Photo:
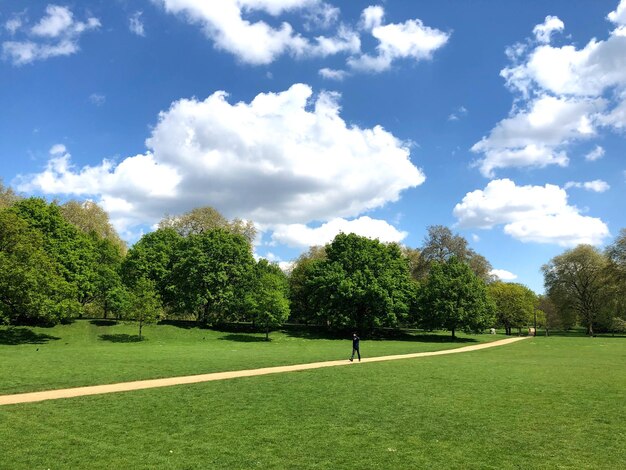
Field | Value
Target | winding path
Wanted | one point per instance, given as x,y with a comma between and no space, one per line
191,379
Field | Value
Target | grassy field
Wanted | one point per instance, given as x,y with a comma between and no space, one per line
554,402
96,352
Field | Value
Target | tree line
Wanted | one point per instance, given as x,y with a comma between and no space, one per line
63,261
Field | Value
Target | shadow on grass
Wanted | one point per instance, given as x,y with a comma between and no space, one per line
121,338
312,332
244,338
17,336
103,322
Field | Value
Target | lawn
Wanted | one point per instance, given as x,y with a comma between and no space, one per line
555,402
96,352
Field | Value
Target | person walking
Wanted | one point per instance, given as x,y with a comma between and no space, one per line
355,347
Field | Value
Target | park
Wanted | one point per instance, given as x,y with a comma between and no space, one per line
188,307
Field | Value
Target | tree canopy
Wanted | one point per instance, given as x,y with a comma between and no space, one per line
454,298
515,304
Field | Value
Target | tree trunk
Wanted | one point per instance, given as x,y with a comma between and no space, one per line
140,326
453,335
590,329
267,331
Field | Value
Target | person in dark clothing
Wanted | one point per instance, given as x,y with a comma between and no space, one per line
355,347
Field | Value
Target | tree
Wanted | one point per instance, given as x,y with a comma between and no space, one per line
267,300
576,281
90,218
152,258
441,244
31,289
552,319
362,284
515,304
454,298
144,306
7,196
210,273
300,294
68,247
205,219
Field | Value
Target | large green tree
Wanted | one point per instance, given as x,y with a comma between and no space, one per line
577,281
31,289
361,284
266,296
300,289
210,273
515,304
68,247
152,258
454,298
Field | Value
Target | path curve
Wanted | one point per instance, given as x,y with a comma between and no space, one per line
192,379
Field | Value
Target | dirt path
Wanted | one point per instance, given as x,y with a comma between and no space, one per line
191,379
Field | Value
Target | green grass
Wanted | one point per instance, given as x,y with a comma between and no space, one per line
87,353
554,402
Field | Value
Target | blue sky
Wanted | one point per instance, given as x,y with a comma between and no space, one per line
503,120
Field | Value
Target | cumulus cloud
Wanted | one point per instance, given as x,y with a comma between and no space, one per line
596,154
619,15
408,40
234,27
14,24
564,94
597,186
333,74
300,235
503,274
253,42
56,34
529,213
283,158
534,136
543,32
135,24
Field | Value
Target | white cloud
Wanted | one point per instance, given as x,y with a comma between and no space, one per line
475,238
332,74
533,137
544,31
135,24
596,154
56,34
252,42
503,275
570,93
372,17
283,158
597,186
411,39
460,112
529,213
13,25
619,15
300,235
97,99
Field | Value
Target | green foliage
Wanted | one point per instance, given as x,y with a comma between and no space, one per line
576,281
205,219
67,246
90,218
361,284
144,305
301,291
31,289
266,298
152,258
210,272
7,196
454,298
515,304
